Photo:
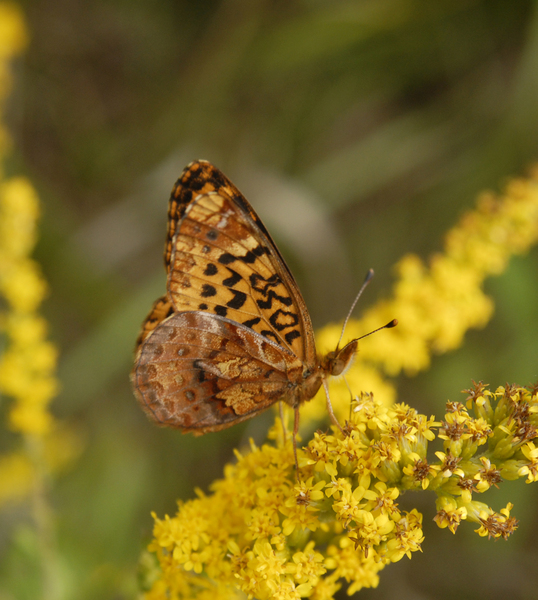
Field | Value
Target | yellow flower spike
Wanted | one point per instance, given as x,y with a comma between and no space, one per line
28,382
278,523
435,305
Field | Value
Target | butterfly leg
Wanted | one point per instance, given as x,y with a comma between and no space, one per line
281,410
295,431
330,407
350,397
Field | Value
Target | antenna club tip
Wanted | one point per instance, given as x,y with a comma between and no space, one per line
369,275
393,323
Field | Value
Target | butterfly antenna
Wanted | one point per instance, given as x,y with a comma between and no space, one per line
390,324
366,281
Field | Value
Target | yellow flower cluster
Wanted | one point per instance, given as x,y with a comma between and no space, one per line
28,365
266,534
271,536
28,360
436,304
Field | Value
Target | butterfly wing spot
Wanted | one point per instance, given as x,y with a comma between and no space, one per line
283,319
292,335
208,291
210,270
233,280
226,258
238,300
157,351
270,334
251,322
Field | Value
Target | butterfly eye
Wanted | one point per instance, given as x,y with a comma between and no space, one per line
343,358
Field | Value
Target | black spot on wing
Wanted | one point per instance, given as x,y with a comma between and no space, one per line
197,364
222,311
210,269
208,291
238,300
227,258
233,279
266,304
269,334
262,285
253,254
291,335
251,322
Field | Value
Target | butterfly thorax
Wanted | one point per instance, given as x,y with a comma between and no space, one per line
304,384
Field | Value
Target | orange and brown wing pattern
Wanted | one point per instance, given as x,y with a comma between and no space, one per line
199,177
161,309
201,372
222,260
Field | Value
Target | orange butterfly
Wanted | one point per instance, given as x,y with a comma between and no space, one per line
232,335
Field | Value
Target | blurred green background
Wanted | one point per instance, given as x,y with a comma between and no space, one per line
374,123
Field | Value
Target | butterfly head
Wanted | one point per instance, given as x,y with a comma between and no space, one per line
338,361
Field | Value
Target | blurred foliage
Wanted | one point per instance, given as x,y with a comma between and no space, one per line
373,123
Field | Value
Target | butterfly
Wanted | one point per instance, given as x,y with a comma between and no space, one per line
232,335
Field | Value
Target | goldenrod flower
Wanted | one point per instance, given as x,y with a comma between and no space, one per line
530,452
449,514
270,536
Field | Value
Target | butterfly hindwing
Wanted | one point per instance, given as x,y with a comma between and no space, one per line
201,372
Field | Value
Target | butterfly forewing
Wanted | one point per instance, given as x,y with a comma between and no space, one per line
223,262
